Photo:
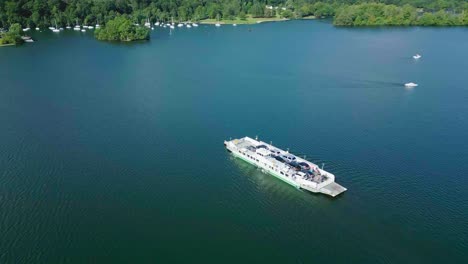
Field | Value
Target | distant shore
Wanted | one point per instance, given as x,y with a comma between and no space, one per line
7,45
248,20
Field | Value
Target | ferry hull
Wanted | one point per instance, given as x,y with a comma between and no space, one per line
269,172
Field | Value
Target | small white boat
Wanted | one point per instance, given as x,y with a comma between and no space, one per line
152,28
417,57
68,27
234,25
29,40
172,26
26,29
83,30
51,28
90,27
147,23
77,26
38,28
411,85
188,26
85,26
61,28
195,24
156,24
180,25
56,29
218,24
164,26
98,26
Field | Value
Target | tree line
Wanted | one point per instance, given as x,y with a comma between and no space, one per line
44,13
376,14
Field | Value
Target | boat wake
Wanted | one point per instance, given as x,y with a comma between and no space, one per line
380,83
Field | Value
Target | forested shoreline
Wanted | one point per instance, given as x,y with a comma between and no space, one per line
44,13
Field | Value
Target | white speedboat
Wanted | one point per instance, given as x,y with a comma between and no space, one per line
188,26
172,26
90,27
411,84
152,28
68,27
156,24
234,25
417,57
29,40
218,24
38,28
83,30
98,26
51,28
180,25
26,29
61,28
194,24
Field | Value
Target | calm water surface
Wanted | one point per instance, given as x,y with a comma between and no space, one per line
113,153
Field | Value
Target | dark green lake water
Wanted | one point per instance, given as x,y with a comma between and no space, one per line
113,153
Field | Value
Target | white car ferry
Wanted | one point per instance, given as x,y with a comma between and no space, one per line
287,167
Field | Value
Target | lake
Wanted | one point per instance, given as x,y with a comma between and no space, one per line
113,153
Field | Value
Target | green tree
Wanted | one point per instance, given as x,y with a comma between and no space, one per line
257,10
242,15
121,29
200,13
13,36
287,13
